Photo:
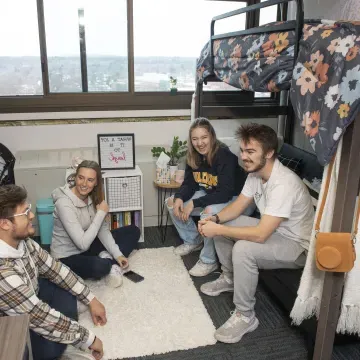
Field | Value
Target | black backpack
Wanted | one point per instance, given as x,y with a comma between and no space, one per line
7,164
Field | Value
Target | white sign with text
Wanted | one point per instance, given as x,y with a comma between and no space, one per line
116,151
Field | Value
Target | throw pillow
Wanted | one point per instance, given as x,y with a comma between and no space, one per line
292,163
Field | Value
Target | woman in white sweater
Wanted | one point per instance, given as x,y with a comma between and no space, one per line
81,236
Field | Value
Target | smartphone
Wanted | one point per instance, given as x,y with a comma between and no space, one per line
133,276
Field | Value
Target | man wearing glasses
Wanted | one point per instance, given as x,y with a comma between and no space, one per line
51,300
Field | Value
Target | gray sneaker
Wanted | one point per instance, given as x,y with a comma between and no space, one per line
114,279
81,308
236,327
185,249
216,287
72,353
202,269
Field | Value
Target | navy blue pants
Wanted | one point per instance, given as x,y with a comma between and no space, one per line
89,265
60,300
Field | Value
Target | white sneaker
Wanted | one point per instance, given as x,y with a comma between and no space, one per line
72,353
202,269
81,308
105,255
236,327
218,286
114,279
186,249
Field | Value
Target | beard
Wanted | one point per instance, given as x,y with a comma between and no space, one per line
258,167
22,235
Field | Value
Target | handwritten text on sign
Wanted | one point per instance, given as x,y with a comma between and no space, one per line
116,151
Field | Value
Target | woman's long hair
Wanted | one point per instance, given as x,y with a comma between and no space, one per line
193,158
97,194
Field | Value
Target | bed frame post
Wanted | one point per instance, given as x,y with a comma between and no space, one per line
347,191
198,99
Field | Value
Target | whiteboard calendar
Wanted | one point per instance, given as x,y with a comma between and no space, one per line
116,151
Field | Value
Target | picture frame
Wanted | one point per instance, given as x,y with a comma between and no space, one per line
116,151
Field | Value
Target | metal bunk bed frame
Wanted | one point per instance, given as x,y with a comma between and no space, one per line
279,110
348,182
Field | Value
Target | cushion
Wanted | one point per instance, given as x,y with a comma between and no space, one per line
310,167
292,163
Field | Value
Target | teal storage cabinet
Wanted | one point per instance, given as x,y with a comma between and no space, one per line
44,211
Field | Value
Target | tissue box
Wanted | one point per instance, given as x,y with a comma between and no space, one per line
163,175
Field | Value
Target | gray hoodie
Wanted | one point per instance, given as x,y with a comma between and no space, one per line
76,224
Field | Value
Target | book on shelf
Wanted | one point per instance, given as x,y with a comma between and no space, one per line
137,218
125,218
120,219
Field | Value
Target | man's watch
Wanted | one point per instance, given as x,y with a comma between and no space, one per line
217,219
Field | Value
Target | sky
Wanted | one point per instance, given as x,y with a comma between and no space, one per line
161,27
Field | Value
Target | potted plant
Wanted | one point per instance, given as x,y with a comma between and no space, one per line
177,151
173,82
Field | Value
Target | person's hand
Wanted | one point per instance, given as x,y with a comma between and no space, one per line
204,221
210,229
187,211
123,262
97,311
97,349
178,207
103,206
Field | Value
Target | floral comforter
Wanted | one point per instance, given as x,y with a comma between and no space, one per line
325,87
325,82
259,62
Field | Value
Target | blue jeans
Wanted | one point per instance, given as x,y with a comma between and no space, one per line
188,231
62,301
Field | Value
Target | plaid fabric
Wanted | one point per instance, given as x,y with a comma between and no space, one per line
292,163
18,295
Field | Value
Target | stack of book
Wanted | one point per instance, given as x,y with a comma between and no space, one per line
125,218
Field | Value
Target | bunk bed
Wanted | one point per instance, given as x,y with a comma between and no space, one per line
317,63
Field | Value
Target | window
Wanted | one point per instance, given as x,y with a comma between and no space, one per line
106,60
268,14
62,42
108,55
20,66
177,33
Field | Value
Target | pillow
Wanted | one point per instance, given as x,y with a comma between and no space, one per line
292,163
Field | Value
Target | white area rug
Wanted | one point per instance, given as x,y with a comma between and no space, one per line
163,313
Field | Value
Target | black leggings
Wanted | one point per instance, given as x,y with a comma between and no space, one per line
89,265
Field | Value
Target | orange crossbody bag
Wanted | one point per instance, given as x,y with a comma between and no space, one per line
334,251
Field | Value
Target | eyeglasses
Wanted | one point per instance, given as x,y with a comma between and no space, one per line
26,212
